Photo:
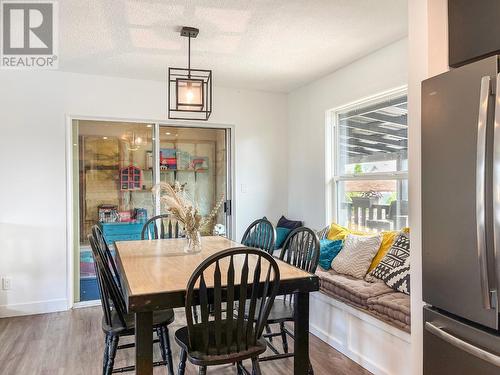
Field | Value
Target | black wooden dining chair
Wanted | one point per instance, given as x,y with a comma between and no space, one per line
301,249
261,235
106,252
249,276
161,227
117,323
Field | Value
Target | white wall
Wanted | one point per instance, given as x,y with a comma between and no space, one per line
428,56
381,71
418,71
33,109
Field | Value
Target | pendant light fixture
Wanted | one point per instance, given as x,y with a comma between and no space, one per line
189,90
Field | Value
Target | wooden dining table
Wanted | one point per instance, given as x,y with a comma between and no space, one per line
154,276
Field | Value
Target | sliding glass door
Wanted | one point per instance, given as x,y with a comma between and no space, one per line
197,158
115,166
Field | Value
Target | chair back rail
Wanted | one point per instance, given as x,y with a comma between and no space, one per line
161,227
215,335
109,291
104,248
301,249
260,234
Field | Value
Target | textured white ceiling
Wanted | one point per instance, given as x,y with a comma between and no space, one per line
273,45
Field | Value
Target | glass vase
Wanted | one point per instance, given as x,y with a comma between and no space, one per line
193,242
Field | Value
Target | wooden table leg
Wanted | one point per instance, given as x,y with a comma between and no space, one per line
301,328
144,343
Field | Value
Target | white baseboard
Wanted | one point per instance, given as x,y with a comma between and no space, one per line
31,308
81,305
375,345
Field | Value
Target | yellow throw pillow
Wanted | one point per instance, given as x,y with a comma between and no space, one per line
338,232
387,241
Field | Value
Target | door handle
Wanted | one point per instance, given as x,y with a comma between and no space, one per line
496,188
227,207
480,191
463,345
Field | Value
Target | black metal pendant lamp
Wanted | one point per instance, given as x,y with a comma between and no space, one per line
189,90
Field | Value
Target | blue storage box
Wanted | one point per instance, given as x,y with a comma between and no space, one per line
121,231
89,290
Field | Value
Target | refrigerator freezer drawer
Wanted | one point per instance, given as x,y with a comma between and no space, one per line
453,347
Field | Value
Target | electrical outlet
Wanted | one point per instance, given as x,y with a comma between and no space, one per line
6,283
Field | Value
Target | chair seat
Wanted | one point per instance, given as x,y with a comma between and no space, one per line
282,311
160,318
202,359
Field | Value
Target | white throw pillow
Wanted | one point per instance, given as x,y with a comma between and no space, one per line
356,256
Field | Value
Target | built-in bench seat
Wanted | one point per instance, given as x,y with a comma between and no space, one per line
375,298
367,321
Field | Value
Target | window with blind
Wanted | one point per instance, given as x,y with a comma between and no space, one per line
370,164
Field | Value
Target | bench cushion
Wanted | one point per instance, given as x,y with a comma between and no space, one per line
394,306
348,288
376,299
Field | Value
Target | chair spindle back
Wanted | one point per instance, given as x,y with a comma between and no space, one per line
109,291
301,249
251,278
161,227
104,248
261,235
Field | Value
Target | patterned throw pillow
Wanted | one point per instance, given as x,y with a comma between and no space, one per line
387,241
356,255
323,233
399,278
395,257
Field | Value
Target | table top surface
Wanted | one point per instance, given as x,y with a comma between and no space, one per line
161,266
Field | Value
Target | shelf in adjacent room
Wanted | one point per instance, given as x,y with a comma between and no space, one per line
184,170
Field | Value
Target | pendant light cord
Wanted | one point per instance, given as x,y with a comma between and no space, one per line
189,56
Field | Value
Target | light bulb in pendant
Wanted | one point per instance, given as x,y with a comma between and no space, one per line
189,96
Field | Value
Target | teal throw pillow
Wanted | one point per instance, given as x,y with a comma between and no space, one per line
281,235
328,250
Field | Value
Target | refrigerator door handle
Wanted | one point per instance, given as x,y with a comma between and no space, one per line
480,191
496,189
463,345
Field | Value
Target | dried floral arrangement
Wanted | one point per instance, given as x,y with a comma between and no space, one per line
175,200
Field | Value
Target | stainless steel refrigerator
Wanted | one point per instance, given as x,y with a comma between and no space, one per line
461,219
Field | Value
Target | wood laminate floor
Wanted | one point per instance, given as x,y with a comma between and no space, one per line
71,343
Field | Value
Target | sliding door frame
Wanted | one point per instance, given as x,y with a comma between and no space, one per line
70,170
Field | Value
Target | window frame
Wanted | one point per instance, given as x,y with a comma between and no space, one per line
332,164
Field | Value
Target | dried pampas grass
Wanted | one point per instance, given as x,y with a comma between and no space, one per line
175,200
